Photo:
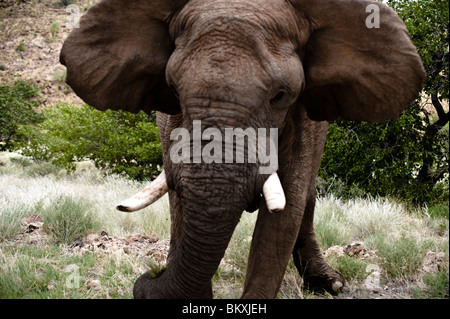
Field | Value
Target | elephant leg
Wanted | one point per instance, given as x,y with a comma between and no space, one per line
308,258
273,240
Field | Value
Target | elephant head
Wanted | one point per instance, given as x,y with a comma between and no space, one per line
255,65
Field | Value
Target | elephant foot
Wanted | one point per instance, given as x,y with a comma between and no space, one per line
317,275
149,287
331,283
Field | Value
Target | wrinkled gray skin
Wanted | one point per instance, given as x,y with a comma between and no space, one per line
292,65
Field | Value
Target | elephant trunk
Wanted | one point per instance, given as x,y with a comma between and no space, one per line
212,203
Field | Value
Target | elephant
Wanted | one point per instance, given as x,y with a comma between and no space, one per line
292,66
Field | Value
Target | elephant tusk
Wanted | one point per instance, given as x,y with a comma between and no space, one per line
274,194
147,196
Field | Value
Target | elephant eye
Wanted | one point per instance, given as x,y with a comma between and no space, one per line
279,96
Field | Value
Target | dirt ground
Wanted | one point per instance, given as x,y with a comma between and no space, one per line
32,233
31,37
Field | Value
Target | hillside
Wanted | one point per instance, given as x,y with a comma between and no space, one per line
31,37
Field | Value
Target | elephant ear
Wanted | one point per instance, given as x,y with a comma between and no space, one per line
355,68
116,59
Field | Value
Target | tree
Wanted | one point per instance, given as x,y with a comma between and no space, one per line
121,142
17,106
428,23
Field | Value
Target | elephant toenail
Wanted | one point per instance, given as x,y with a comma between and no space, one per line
336,286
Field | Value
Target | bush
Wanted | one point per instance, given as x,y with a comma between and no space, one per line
400,258
383,159
10,217
118,141
17,106
350,268
68,219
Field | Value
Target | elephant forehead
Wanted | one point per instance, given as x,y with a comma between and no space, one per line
268,18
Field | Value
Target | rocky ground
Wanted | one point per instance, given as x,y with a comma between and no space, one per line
31,37
32,233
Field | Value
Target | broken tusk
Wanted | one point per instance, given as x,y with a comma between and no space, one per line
147,196
274,194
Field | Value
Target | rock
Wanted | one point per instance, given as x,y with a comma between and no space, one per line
153,238
93,284
432,262
372,282
31,222
32,218
142,239
356,248
92,237
77,243
98,244
31,227
338,250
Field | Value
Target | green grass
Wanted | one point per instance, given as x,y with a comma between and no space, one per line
437,285
68,219
73,205
10,217
49,272
400,257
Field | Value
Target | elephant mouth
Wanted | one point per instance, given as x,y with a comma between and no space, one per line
272,192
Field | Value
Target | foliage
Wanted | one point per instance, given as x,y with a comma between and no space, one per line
119,141
382,159
428,22
17,106
69,219
349,267
400,258
10,220
437,285
407,157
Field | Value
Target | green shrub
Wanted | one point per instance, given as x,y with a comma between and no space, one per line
42,169
383,159
67,2
118,141
400,258
10,217
351,268
54,29
437,285
21,46
68,219
17,106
